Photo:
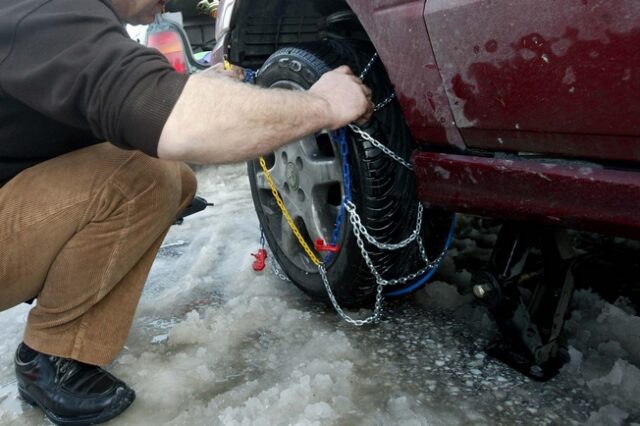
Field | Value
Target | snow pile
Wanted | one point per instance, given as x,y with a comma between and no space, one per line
442,295
620,386
607,415
317,390
256,360
216,344
604,344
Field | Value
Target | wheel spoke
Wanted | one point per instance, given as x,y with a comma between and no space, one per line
261,181
278,171
322,217
288,241
321,172
308,148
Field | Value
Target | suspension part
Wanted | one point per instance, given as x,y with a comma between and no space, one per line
530,327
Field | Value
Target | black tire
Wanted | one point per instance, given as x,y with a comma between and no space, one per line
383,190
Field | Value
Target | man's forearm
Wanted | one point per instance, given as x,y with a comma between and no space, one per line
218,120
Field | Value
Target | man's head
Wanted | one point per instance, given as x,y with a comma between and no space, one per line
138,12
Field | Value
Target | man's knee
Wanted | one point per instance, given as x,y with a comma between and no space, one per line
157,185
189,182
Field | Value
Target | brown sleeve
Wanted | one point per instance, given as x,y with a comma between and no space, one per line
73,61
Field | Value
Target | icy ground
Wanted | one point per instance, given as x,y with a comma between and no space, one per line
215,344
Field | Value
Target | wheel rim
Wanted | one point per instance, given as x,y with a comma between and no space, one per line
308,176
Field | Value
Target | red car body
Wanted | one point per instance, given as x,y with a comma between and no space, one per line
525,110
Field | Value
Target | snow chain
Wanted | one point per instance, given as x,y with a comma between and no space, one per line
359,230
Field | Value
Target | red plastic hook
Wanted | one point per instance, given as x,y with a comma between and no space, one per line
320,245
261,260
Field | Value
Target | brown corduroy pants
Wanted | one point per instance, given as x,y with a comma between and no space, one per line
80,233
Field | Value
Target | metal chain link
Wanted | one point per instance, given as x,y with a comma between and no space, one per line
377,108
384,103
403,280
275,268
366,136
365,72
368,67
377,310
351,208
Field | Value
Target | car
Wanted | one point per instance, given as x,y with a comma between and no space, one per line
526,112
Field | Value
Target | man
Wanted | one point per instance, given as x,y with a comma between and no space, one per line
81,219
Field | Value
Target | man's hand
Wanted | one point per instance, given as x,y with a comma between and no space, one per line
348,98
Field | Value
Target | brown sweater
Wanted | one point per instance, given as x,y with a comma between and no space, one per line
70,77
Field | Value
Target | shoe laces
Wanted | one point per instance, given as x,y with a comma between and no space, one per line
65,368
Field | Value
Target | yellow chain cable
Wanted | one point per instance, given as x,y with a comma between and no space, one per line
286,214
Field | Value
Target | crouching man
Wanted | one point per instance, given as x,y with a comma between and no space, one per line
81,219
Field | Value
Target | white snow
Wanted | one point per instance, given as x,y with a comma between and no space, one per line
214,343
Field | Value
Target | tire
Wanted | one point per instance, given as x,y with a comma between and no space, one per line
308,175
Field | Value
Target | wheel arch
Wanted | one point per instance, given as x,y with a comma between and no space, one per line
396,30
260,27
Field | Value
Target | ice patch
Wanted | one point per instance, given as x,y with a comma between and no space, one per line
609,415
442,295
621,386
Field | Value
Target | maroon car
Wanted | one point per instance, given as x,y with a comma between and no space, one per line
525,111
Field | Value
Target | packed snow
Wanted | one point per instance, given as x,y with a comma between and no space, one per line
215,343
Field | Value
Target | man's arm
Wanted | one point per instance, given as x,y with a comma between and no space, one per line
219,120
87,74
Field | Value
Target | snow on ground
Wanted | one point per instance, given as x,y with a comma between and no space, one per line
216,344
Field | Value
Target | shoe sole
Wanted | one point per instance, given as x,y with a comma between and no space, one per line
93,419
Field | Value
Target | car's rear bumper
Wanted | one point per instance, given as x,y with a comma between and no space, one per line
560,193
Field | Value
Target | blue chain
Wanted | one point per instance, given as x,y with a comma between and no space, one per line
250,76
341,136
346,170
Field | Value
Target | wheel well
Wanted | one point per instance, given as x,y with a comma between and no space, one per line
263,26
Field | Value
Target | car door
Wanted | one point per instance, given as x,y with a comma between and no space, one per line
542,76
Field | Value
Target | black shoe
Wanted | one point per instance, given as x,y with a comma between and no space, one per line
69,392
